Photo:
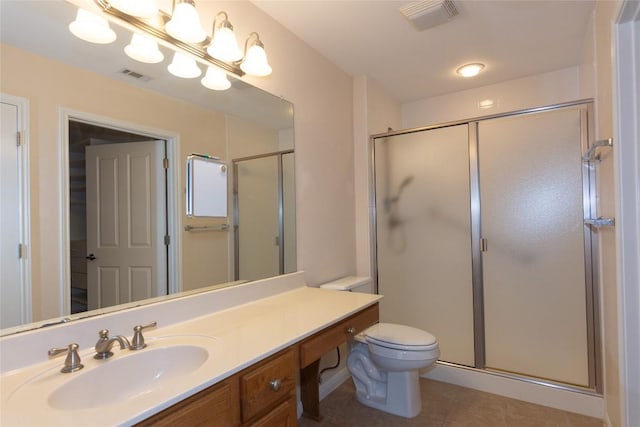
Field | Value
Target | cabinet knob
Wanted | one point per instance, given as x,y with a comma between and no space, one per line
275,384
351,330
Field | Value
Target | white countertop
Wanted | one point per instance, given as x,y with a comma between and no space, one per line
242,335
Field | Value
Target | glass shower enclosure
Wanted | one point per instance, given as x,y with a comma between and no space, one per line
480,240
264,215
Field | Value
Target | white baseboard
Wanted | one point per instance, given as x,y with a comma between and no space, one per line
572,401
333,382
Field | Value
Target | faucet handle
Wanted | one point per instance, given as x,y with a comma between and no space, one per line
72,362
137,342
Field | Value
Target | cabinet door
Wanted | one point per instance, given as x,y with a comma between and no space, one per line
283,416
216,406
267,383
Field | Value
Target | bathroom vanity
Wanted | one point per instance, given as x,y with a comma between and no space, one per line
265,393
234,361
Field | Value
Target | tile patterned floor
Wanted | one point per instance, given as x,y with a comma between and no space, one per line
446,405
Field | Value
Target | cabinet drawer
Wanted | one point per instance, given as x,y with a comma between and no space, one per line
272,380
314,347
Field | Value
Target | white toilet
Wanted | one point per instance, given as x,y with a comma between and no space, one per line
385,360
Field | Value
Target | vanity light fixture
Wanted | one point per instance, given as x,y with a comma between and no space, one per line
224,45
215,79
144,49
184,24
140,8
183,31
255,59
470,70
92,28
184,66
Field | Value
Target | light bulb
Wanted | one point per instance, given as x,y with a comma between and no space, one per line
144,49
224,45
185,24
184,67
92,28
255,62
470,70
215,79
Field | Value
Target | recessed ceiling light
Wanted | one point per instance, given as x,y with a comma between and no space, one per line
470,70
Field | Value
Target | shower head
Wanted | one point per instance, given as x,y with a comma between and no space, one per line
406,181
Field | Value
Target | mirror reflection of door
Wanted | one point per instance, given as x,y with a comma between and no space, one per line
14,294
118,217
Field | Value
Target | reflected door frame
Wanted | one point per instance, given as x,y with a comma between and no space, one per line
24,195
174,204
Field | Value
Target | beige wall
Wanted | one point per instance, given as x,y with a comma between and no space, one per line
67,87
605,15
375,112
322,97
534,91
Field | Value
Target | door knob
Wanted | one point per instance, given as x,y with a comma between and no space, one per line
90,257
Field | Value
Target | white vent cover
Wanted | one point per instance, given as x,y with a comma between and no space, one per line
429,13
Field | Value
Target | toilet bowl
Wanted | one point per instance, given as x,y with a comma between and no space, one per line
384,363
385,360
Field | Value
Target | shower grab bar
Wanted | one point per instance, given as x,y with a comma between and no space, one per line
600,222
221,227
591,153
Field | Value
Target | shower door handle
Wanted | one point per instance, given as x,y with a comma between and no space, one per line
483,245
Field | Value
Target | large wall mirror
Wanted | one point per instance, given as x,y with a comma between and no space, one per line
100,128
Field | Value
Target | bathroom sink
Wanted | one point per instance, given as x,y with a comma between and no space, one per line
127,384
127,377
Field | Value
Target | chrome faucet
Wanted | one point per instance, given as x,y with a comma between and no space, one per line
104,344
137,342
72,362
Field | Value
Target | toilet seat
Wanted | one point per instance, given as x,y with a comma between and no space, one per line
400,337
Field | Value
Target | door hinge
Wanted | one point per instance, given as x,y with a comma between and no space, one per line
167,240
18,138
483,245
165,163
21,249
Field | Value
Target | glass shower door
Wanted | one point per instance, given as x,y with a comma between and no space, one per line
258,226
423,236
531,192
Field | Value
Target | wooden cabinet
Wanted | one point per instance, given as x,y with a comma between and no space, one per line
269,382
216,406
264,395
314,347
261,395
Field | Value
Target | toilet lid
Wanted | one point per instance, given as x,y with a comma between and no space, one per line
400,337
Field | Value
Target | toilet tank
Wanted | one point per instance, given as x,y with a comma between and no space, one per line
350,284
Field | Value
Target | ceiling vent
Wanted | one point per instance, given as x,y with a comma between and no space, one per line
429,13
134,75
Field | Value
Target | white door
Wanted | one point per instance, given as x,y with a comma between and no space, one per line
125,223
10,280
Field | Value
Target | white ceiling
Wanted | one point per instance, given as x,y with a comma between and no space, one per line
512,38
